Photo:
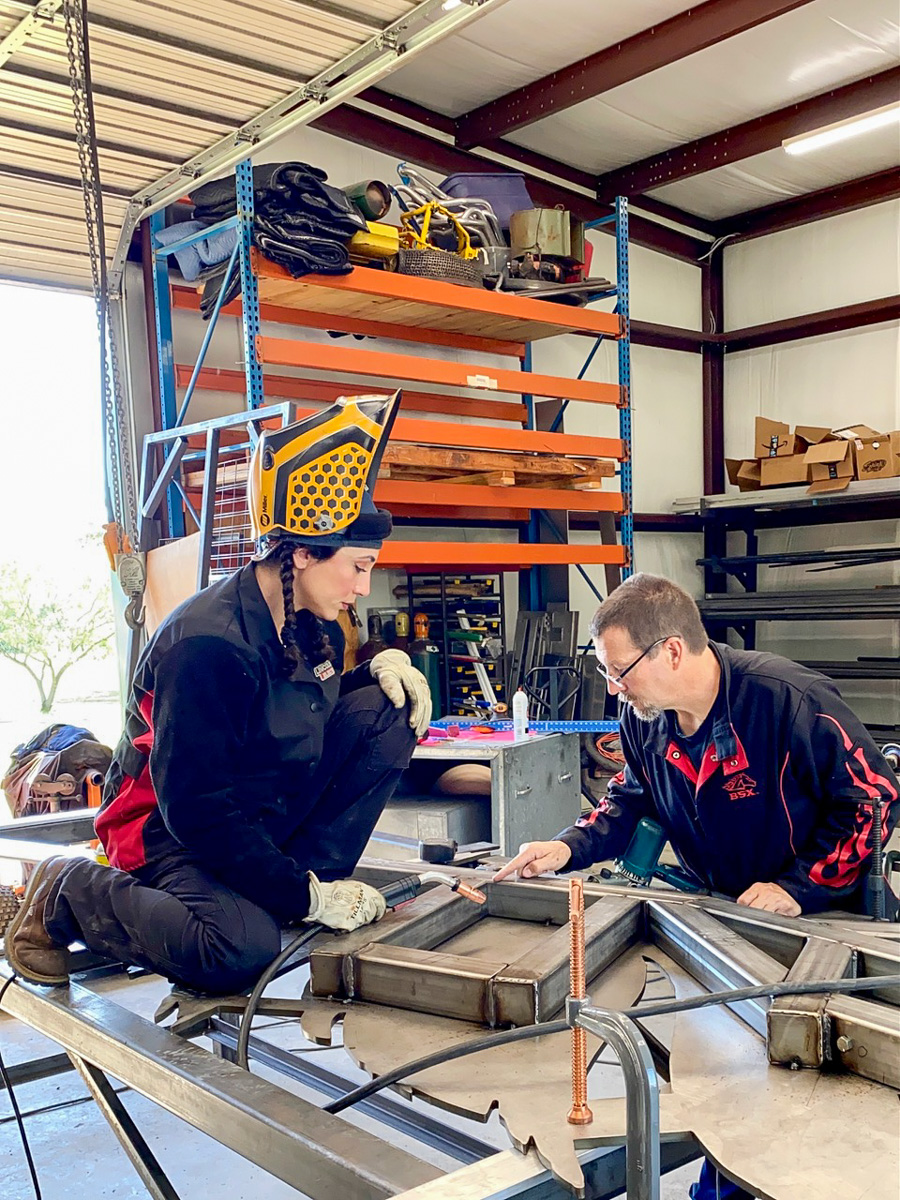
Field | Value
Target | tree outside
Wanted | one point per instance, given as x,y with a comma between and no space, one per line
46,630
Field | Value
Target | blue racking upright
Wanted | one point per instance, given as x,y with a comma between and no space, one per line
620,291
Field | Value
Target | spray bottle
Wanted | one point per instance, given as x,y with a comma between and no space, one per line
520,715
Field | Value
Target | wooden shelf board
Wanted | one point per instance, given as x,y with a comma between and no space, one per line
188,298
368,294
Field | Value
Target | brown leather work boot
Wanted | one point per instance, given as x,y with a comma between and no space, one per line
30,950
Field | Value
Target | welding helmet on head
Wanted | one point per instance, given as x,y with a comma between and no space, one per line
312,481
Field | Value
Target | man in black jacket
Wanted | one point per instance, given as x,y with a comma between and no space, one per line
759,773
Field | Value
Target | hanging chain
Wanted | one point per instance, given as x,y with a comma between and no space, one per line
121,489
115,417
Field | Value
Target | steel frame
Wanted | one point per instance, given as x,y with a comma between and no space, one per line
399,966
175,444
26,26
717,941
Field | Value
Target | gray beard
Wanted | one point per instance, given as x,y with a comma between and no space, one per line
646,712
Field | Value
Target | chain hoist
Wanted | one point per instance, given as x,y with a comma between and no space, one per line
130,566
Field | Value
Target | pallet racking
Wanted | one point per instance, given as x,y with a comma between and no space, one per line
375,303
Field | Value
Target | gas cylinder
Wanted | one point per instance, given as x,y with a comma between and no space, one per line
426,656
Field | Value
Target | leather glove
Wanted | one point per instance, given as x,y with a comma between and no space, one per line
344,904
400,681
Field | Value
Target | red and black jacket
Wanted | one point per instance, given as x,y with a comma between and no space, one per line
219,747
783,794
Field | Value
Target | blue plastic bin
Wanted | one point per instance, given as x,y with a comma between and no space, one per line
505,191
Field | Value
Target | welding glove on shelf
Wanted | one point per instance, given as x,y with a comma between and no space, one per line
401,682
345,904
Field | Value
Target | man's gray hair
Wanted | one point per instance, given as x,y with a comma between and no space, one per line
650,607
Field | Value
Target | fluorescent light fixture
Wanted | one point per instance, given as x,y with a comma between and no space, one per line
449,5
818,139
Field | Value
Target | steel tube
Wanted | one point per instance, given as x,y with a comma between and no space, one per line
713,955
319,1155
642,1163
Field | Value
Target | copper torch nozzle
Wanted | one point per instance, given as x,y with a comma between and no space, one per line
471,893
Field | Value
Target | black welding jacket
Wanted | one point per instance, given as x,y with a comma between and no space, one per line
219,747
783,793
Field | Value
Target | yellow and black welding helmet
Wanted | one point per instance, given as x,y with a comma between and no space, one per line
312,481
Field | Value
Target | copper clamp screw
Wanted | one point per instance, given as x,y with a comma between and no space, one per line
580,1114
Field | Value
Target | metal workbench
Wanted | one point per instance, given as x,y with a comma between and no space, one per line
535,784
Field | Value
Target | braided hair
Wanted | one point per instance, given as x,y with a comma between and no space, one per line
303,635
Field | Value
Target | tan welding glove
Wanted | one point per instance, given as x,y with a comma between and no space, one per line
344,904
401,682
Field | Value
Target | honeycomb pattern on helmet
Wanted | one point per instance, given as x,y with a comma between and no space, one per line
325,495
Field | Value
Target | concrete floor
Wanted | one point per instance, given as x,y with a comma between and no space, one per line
78,1157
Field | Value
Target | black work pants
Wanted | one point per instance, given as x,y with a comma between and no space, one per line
175,918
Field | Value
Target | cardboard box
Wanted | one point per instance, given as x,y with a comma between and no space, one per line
744,473
830,466
856,431
875,458
780,472
773,439
811,435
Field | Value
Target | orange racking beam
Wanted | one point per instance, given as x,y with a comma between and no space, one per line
388,285
508,555
461,515
459,436
434,494
188,298
291,387
376,363
486,437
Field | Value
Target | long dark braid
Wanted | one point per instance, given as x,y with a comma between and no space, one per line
303,635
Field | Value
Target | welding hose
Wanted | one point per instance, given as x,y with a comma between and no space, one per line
271,971
640,1011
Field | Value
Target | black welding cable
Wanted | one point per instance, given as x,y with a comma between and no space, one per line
273,969
16,1110
657,1008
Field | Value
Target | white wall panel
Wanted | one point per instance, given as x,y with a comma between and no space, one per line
671,554
827,264
843,378
663,290
667,421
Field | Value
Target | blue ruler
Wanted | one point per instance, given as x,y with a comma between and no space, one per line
534,726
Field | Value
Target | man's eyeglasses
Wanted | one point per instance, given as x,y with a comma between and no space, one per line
617,679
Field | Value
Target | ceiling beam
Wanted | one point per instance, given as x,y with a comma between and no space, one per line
751,137
686,33
813,206
834,320
367,129
528,159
